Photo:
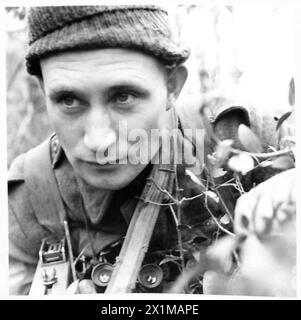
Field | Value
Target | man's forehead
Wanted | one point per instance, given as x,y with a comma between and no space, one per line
100,58
105,67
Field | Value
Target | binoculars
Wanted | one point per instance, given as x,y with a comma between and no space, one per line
53,275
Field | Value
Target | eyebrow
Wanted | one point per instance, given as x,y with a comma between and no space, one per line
129,87
58,90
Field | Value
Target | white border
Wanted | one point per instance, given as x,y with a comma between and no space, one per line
3,188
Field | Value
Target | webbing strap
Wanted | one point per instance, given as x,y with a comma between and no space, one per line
142,225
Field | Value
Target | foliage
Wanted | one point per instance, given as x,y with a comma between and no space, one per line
258,255
27,122
18,12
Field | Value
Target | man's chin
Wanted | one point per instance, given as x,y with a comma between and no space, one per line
104,183
109,177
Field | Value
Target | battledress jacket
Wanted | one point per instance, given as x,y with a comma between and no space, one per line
107,225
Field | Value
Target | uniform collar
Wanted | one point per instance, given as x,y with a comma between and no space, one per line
56,151
127,196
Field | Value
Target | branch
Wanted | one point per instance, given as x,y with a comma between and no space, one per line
263,155
191,198
215,220
221,199
178,204
156,203
162,190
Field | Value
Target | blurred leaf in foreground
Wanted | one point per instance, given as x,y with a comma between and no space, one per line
241,163
291,92
283,162
248,139
282,119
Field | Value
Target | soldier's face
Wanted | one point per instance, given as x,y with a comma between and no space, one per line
89,94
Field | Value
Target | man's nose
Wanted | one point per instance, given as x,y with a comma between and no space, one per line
99,134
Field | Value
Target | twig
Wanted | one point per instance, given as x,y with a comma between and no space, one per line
82,251
174,216
156,203
225,185
221,200
215,220
239,185
162,190
191,198
178,204
263,155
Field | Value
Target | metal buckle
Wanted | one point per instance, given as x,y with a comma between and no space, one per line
53,251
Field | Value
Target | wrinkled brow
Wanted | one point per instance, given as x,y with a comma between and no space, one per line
58,89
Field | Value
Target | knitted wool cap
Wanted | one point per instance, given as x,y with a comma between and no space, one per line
144,27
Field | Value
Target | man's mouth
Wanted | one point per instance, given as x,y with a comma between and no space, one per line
104,163
111,161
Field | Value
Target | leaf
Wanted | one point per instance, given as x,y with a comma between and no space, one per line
199,240
241,163
222,151
211,159
271,148
212,195
221,253
201,254
183,227
283,162
282,119
291,92
218,172
290,139
248,139
294,150
267,226
225,219
266,163
193,177
244,220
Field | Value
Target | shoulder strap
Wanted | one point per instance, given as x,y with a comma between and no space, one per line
16,170
43,190
140,230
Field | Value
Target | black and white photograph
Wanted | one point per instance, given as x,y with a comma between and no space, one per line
150,149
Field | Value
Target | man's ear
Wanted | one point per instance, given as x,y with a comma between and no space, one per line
175,82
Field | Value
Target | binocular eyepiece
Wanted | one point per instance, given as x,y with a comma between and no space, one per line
101,275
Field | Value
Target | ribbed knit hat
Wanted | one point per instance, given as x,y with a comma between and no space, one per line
139,27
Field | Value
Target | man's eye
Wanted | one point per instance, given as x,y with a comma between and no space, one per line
68,101
124,98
